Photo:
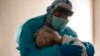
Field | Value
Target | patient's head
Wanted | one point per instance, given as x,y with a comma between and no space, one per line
47,38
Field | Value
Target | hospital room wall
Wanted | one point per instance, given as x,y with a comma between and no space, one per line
97,26
13,13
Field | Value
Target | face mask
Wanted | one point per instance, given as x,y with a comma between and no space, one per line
58,23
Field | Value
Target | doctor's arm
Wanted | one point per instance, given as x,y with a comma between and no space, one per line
27,45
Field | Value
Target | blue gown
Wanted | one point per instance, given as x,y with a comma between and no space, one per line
27,45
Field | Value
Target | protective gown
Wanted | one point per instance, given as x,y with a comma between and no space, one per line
26,39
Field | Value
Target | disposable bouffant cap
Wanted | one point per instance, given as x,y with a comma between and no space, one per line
64,3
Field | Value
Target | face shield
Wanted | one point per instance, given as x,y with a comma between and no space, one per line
63,11
56,17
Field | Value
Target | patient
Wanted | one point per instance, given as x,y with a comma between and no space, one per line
47,37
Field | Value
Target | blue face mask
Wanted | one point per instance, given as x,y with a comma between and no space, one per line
58,23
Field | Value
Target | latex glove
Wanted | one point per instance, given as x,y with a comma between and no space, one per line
89,48
71,50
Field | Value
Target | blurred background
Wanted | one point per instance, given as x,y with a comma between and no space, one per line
13,13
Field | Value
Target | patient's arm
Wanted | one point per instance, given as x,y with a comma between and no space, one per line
75,41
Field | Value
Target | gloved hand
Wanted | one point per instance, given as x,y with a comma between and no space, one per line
89,48
71,50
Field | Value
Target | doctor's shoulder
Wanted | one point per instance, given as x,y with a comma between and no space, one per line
70,32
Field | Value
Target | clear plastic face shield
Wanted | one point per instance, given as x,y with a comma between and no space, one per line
62,10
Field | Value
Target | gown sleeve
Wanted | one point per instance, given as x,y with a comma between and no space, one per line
27,45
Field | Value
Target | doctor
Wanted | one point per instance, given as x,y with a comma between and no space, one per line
57,17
